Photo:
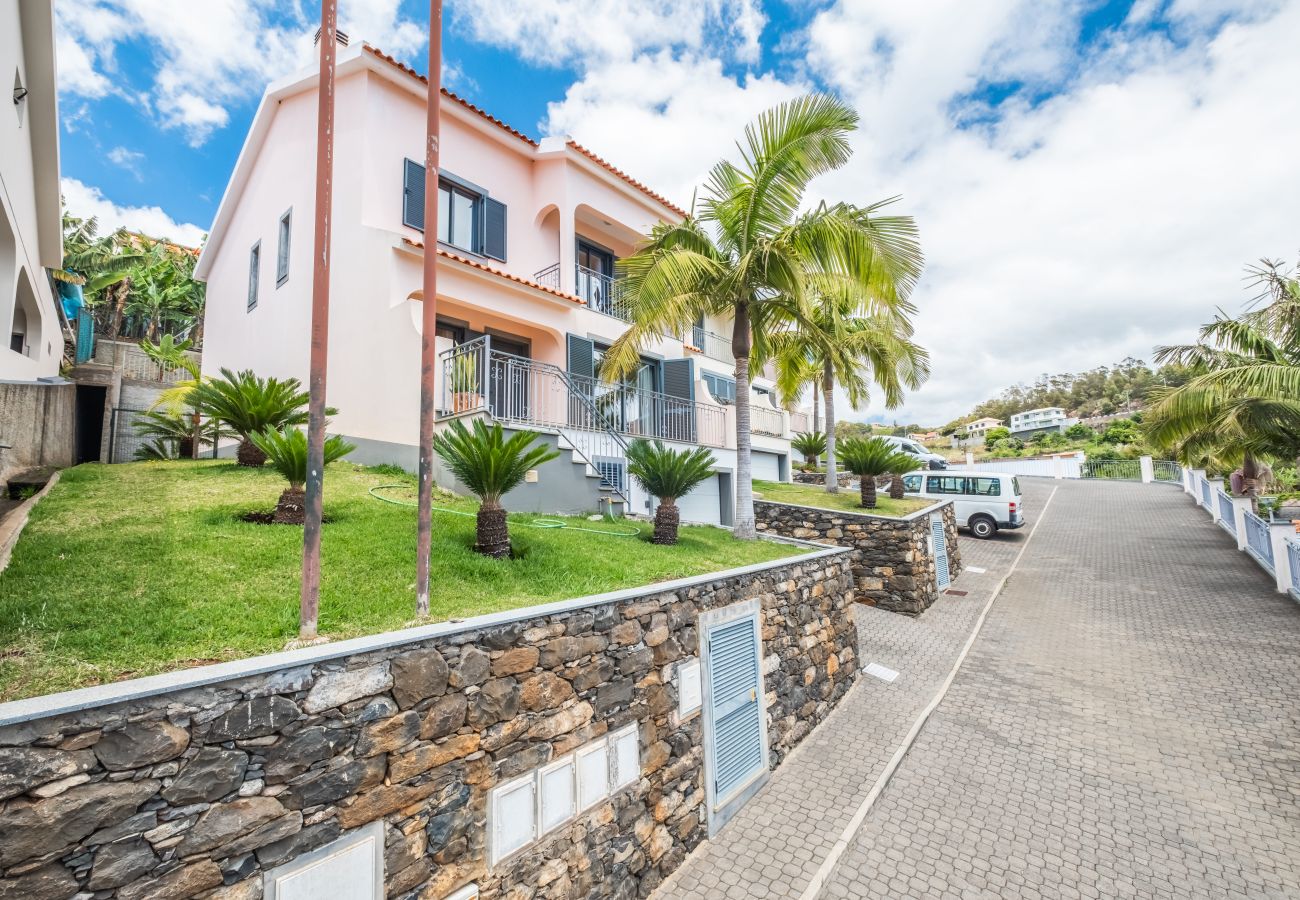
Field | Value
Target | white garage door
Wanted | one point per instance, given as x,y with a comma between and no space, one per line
766,466
701,504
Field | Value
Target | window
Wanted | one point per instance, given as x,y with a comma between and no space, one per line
722,388
282,251
254,264
912,484
468,219
532,806
945,484
985,487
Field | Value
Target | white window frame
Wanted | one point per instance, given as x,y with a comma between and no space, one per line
600,746
273,880
496,852
284,234
254,275
634,732
571,763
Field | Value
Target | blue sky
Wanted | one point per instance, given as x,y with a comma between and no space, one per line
1089,176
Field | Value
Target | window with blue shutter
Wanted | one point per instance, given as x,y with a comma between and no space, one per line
468,218
678,417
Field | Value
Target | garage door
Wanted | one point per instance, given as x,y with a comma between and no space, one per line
767,466
701,504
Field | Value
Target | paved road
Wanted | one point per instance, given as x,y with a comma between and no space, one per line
1127,724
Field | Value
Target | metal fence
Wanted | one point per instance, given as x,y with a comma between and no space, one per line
765,420
714,346
130,438
1112,469
1065,467
1293,553
1257,540
1206,495
135,364
1227,516
1167,470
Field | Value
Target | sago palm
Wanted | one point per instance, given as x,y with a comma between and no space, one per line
811,444
247,405
490,465
286,450
857,339
748,253
668,475
903,463
869,458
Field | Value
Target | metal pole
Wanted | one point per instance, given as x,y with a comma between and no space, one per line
428,339
309,600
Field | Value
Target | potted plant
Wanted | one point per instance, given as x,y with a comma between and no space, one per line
464,379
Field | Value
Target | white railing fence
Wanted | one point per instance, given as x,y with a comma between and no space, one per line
1258,543
1293,558
1227,517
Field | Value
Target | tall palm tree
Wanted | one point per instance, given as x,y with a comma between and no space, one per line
843,344
750,255
1242,404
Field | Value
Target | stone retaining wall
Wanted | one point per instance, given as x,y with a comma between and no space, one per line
893,567
196,792
845,478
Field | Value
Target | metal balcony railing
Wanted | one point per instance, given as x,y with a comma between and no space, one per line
763,419
602,292
549,277
714,346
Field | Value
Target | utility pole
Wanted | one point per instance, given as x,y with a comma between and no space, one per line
428,335
309,600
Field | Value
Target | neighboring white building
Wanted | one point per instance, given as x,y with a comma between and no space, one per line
977,429
31,234
1045,419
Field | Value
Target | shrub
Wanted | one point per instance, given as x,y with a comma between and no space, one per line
490,466
869,458
248,405
811,444
668,475
287,452
993,435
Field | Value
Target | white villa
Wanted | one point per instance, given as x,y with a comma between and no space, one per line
977,429
528,235
1046,419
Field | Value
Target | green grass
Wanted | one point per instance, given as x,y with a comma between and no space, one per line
848,499
129,570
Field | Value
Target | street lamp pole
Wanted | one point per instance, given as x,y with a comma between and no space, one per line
309,600
428,337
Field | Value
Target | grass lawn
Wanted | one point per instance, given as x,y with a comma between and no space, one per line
848,499
133,569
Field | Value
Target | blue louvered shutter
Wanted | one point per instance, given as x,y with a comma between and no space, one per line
940,541
494,229
677,419
734,689
413,195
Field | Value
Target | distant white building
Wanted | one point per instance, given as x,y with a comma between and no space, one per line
977,429
1048,418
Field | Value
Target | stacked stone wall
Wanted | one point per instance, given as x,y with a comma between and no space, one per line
198,791
893,567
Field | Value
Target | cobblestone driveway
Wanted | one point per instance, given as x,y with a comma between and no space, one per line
1126,725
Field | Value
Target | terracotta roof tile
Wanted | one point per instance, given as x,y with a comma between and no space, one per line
515,278
448,94
628,178
379,54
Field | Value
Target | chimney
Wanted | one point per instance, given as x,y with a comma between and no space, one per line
339,35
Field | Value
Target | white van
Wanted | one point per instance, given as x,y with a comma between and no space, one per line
926,457
983,501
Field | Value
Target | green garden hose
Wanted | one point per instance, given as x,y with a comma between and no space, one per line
536,523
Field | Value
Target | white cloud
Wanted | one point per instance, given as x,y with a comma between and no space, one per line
1061,235
210,55
85,200
127,159
584,33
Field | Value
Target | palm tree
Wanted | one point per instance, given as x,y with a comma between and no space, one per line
903,463
1243,404
869,458
843,344
811,444
750,255
247,405
668,475
286,450
174,433
490,466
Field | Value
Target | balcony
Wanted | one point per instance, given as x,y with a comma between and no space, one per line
714,346
602,293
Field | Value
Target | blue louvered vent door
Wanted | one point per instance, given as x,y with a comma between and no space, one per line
939,541
735,689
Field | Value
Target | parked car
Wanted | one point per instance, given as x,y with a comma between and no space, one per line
907,445
984,501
